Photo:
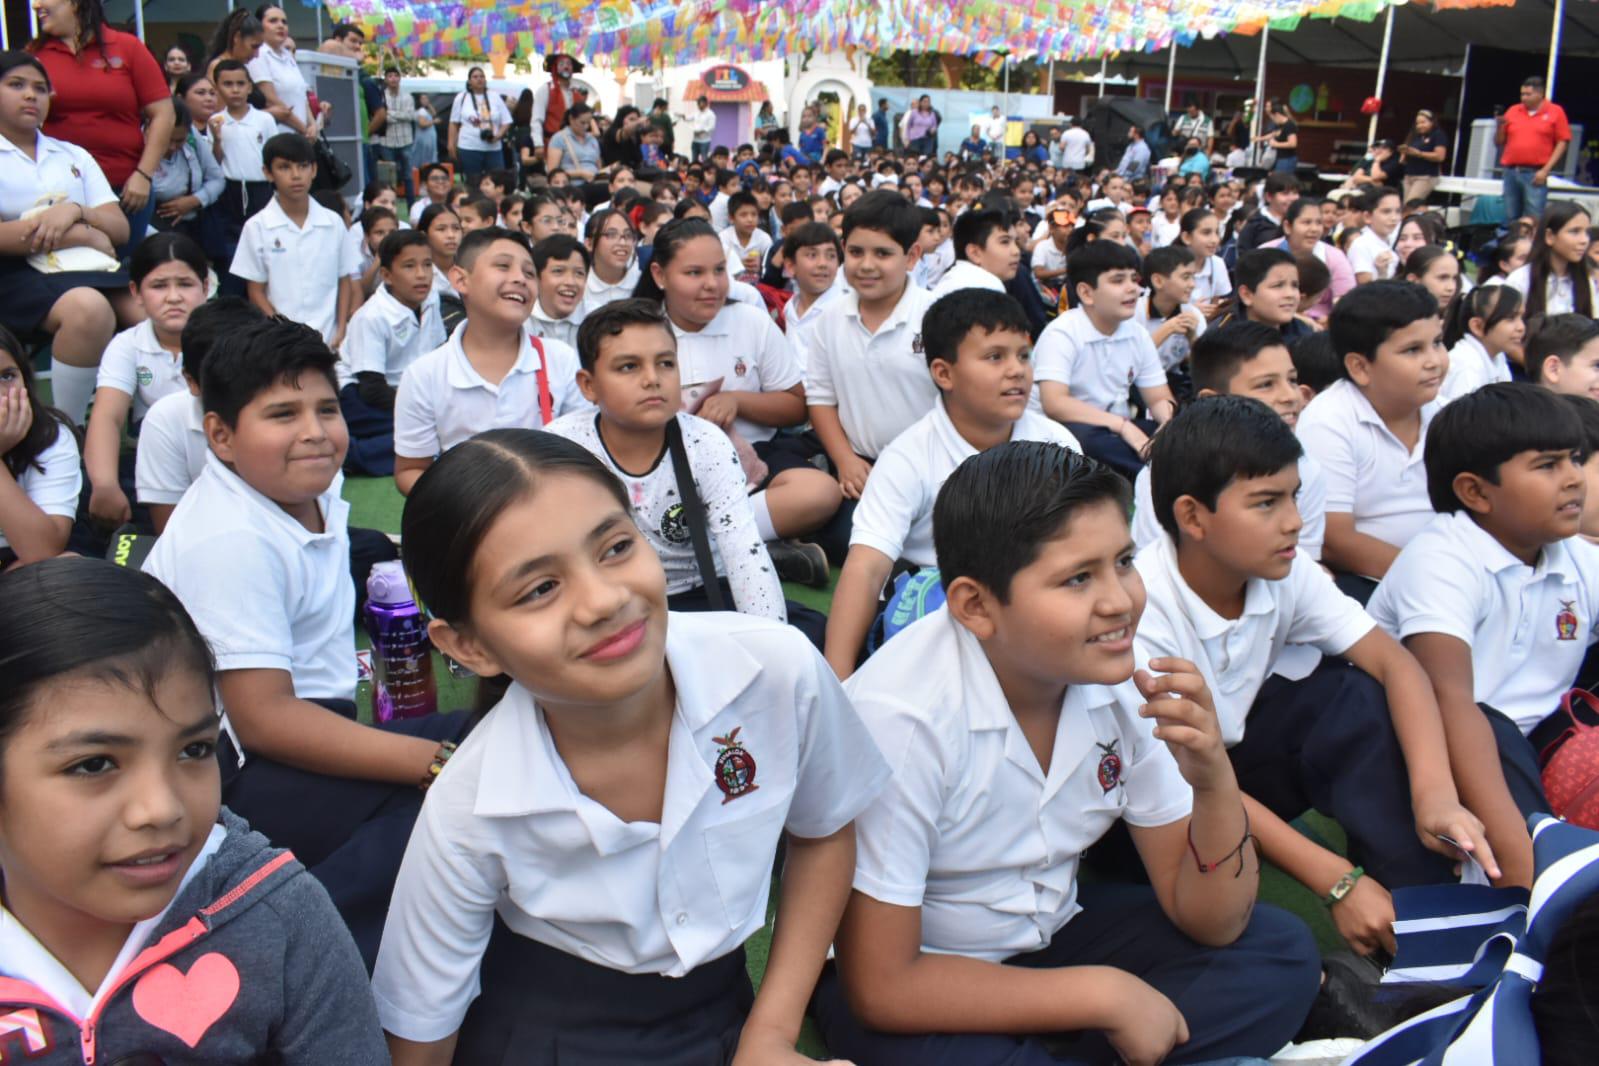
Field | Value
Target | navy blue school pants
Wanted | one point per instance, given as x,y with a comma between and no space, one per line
1327,742
371,451
1244,1000
1519,756
1107,446
351,835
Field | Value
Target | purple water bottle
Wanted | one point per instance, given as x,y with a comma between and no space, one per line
402,654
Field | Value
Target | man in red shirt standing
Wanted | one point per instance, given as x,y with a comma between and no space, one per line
1533,136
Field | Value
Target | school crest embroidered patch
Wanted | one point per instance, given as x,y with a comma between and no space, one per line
1566,621
739,366
735,767
1110,766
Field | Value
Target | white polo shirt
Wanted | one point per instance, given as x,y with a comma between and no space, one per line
760,241
135,363
56,482
242,141
301,266
1177,347
556,329
737,549
970,829
1312,502
1364,250
638,897
895,515
879,382
964,274
385,336
58,170
1370,474
1098,369
800,326
1211,280
597,292
1528,627
279,67
1470,368
1236,655
1048,256
265,592
744,348
172,449
443,400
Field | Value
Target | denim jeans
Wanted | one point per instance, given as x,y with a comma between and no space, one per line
1522,197
474,163
401,158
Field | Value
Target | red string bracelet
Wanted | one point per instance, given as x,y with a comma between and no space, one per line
1205,867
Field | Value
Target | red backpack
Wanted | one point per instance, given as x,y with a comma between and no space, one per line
1571,765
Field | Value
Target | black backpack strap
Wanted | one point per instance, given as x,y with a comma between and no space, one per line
694,513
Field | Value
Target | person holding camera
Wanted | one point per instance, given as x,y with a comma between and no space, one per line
478,122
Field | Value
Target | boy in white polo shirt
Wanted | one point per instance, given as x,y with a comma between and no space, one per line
1172,322
1367,432
292,254
258,551
1244,358
986,253
562,264
390,332
866,378
489,374
1371,254
1019,733
239,133
1360,738
979,355
1498,596
811,254
172,445
1089,359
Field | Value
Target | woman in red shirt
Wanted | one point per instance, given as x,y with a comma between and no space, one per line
110,99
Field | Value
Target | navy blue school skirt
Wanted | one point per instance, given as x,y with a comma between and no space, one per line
26,296
543,1007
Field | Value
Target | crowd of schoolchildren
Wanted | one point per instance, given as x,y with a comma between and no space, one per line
1263,509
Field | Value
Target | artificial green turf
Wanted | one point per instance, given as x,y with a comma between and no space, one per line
375,504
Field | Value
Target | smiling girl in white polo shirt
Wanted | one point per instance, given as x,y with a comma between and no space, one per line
143,364
589,864
759,386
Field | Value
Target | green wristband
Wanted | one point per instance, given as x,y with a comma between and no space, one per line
1345,885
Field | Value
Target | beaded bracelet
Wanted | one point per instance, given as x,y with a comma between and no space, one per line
1205,867
436,767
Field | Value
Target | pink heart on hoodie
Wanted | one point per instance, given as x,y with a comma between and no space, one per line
187,1005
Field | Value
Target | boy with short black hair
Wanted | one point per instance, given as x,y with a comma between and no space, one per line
1372,255
728,184
986,254
1089,357
258,551
836,165
239,133
1019,733
1368,431
491,373
629,372
376,223
292,254
1359,737
979,355
866,377
390,332
1267,283
1316,362
172,445
813,252
1498,597
1248,359
1563,354
1278,191
744,240
938,246
1173,323
478,212
562,263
